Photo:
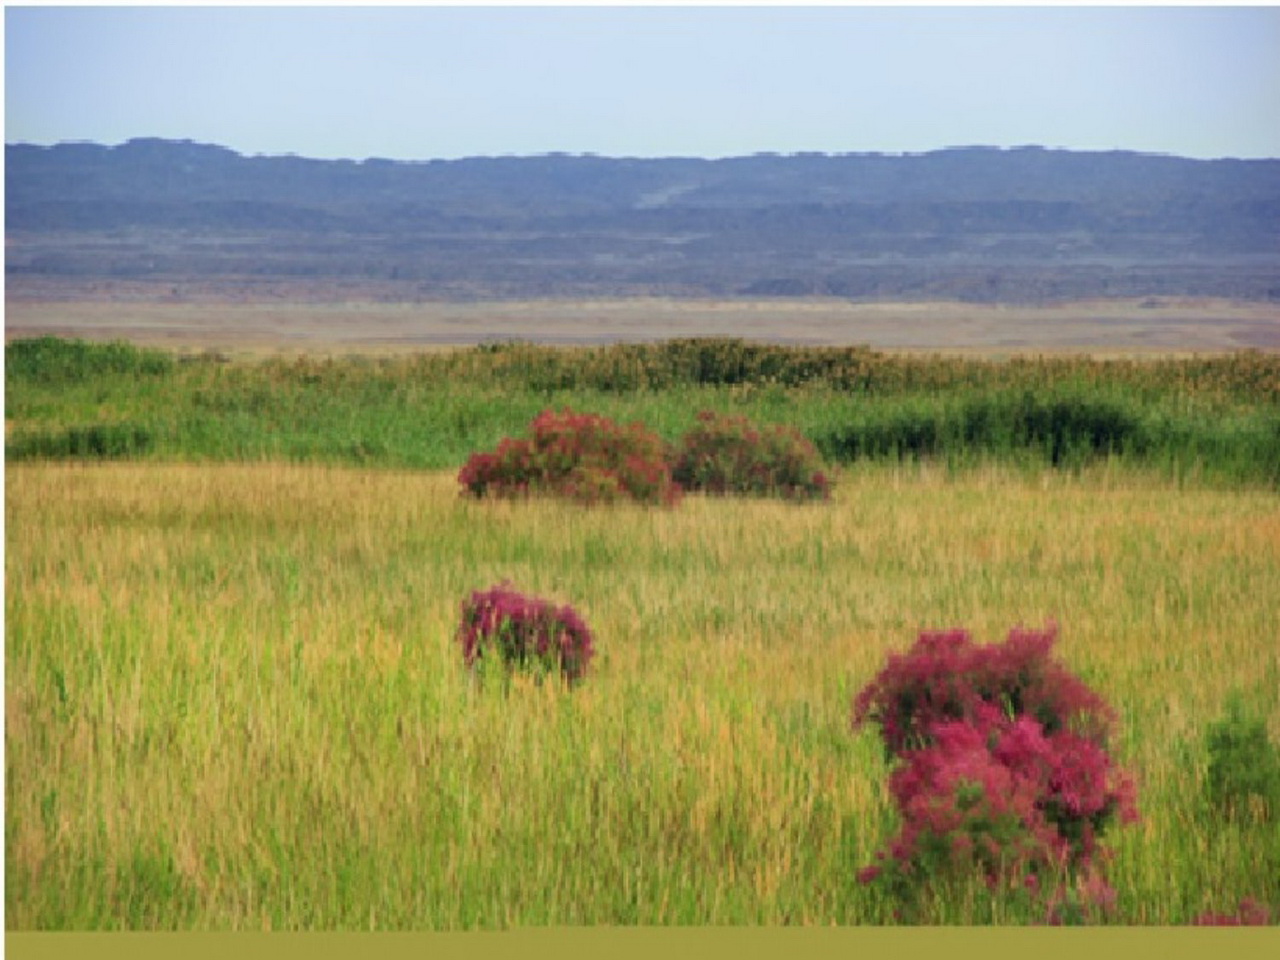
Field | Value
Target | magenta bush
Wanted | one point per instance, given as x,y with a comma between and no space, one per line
729,455
946,677
525,633
583,457
1251,913
1001,766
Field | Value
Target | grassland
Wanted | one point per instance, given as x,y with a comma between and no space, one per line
234,699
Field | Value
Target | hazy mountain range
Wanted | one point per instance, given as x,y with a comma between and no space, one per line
984,224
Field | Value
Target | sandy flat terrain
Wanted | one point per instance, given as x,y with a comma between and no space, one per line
1111,326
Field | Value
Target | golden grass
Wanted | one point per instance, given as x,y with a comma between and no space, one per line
234,699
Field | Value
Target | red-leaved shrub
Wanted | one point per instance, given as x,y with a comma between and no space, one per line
584,457
525,633
1001,765
729,455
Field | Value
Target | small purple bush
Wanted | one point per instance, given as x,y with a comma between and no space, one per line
730,455
1001,767
525,633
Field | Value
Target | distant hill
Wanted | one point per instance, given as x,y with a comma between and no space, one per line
984,224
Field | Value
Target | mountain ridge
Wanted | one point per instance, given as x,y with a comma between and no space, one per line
979,223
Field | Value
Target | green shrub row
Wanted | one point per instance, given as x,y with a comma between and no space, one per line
1250,376
732,362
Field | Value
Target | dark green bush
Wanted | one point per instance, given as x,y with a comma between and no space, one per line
1064,429
55,360
1244,765
101,441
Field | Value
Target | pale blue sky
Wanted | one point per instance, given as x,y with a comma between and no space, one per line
443,82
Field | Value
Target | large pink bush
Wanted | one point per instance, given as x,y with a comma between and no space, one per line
1001,766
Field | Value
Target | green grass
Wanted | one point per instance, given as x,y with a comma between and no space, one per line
1208,420
234,699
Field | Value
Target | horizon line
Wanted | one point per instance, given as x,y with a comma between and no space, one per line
592,155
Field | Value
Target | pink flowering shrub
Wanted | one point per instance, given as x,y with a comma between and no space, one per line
583,457
945,676
729,455
1250,914
525,633
1001,767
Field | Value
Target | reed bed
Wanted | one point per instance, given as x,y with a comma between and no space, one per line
1207,419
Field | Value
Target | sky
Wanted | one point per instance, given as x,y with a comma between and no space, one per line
428,82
